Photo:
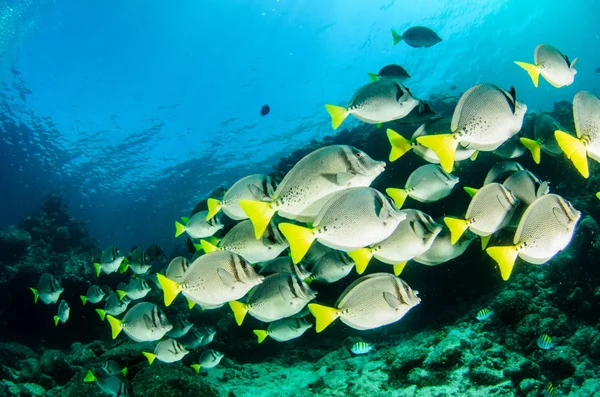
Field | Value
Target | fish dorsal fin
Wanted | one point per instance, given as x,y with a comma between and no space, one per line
392,300
512,99
226,277
400,92
340,178
572,64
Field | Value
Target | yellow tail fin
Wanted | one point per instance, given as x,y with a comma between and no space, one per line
338,115
533,70
398,268
471,191
400,145
36,294
324,315
598,195
505,257
196,367
98,268
56,320
373,76
101,313
260,213
170,288
208,247
300,239
83,299
115,326
214,206
575,151
457,228
239,310
485,240
396,38
534,147
191,304
89,377
361,257
150,356
261,334
179,229
398,195
444,146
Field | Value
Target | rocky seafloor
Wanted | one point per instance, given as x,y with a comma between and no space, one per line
437,349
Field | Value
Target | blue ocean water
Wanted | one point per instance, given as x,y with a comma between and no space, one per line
136,110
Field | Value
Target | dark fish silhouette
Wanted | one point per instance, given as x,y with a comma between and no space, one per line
452,88
417,36
597,70
265,110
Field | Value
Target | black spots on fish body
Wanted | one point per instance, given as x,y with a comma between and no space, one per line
265,110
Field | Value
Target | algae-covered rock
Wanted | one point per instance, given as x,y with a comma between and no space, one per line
170,380
14,243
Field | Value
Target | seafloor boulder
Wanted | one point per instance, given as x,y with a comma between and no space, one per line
14,244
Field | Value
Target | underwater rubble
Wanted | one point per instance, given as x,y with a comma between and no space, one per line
439,349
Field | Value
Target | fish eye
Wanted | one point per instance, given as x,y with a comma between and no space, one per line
359,154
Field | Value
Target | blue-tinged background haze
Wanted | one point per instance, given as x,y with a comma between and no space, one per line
135,110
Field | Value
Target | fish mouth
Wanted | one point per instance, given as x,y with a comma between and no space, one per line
380,167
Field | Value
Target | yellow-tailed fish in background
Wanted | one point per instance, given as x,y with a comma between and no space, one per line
426,184
552,64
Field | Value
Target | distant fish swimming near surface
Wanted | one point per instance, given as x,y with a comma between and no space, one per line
265,110
417,36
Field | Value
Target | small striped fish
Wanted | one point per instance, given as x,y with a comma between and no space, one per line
549,390
484,314
362,348
545,342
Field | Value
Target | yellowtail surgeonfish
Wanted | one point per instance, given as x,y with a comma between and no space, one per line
144,322
543,140
412,237
442,250
417,37
48,289
114,305
197,226
252,187
94,294
137,288
525,186
556,67
110,384
546,228
586,113
63,313
502,170
167,351
212,280
283,330
208,359
284,264
390,72
375,103
242,241
307,186
176,268
331,267
484,118
181,326
426,184
139,262
490,209
280,295
370,302
352,219
110,261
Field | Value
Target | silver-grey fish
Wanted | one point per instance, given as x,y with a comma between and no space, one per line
511,148
543,140
284,329
280,295
242,241
177,267
167,351
412,237
390,72
308,186
442,250
556,67
352,219
332,267
63,312
546,228
110,261
114,305
94,294
417,37
484,118
253,187
502,170
48,289
370,302
284,264
197,226
111,367
426,184
144,322
490,209
110,384
212,280
376,102
181,326
198,336
137,288
526,187
139,262
208,359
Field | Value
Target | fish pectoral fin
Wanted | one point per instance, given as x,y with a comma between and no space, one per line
260,213
170,288
399,268
398,195
532,70
534,146
543,189
340,178
324,315
239,310
505,257
214,206
261,334
150,356
392,300
575,151
227,278
361,257
444,146
338,115
300,239
573,62
457,228
400,145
